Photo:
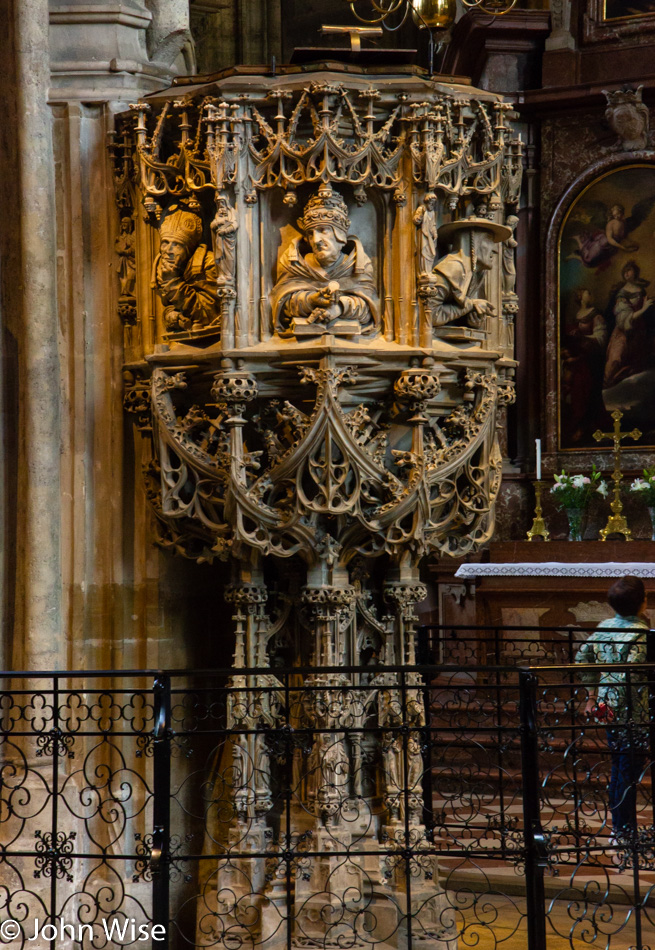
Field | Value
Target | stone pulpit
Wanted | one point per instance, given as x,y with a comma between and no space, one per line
316,289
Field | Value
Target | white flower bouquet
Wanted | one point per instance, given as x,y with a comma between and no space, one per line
576,491
644,487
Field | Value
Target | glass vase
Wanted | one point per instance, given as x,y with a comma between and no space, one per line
651,512
575,518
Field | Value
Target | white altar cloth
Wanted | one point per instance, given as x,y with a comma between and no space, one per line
557,569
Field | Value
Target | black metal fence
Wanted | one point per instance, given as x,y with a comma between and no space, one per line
507,646
449,805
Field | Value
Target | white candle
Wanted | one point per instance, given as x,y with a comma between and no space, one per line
537,443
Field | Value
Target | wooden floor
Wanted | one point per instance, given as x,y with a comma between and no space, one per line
589,906
611,931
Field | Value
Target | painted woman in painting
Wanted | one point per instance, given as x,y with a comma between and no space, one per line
629,346
590,323
583,360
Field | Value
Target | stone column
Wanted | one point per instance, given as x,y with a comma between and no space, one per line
101,57
9,317
38,641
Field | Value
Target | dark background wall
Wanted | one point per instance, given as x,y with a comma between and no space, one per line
252,31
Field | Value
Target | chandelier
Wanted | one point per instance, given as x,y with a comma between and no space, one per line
427,14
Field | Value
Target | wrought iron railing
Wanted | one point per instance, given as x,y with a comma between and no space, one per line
506,645
449,806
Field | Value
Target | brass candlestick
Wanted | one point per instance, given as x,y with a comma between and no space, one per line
538,529
616,523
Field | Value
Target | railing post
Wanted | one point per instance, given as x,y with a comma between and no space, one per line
650,677
536,856
426,749
161,833
55,807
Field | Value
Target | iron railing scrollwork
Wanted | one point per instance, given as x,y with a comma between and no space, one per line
448,806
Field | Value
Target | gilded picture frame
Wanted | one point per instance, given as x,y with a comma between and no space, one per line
621,10
608,20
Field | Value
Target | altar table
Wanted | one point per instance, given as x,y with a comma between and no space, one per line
542,584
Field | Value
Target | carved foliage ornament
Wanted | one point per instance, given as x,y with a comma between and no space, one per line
462,147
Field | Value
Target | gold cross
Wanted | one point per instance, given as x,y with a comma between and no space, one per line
616,523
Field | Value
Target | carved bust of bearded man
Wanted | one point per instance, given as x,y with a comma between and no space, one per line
325,278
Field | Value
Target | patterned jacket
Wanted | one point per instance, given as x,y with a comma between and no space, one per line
619,640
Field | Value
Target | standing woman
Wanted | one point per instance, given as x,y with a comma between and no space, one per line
620,640
628,348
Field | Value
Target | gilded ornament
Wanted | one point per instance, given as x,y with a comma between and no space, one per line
616,523
434,14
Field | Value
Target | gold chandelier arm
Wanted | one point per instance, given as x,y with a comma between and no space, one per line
362,19
383,9
497,8
388,7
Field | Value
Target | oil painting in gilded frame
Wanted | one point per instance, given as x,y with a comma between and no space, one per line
624,9
606,303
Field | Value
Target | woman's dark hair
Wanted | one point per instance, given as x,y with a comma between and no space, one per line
626,595
633,266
